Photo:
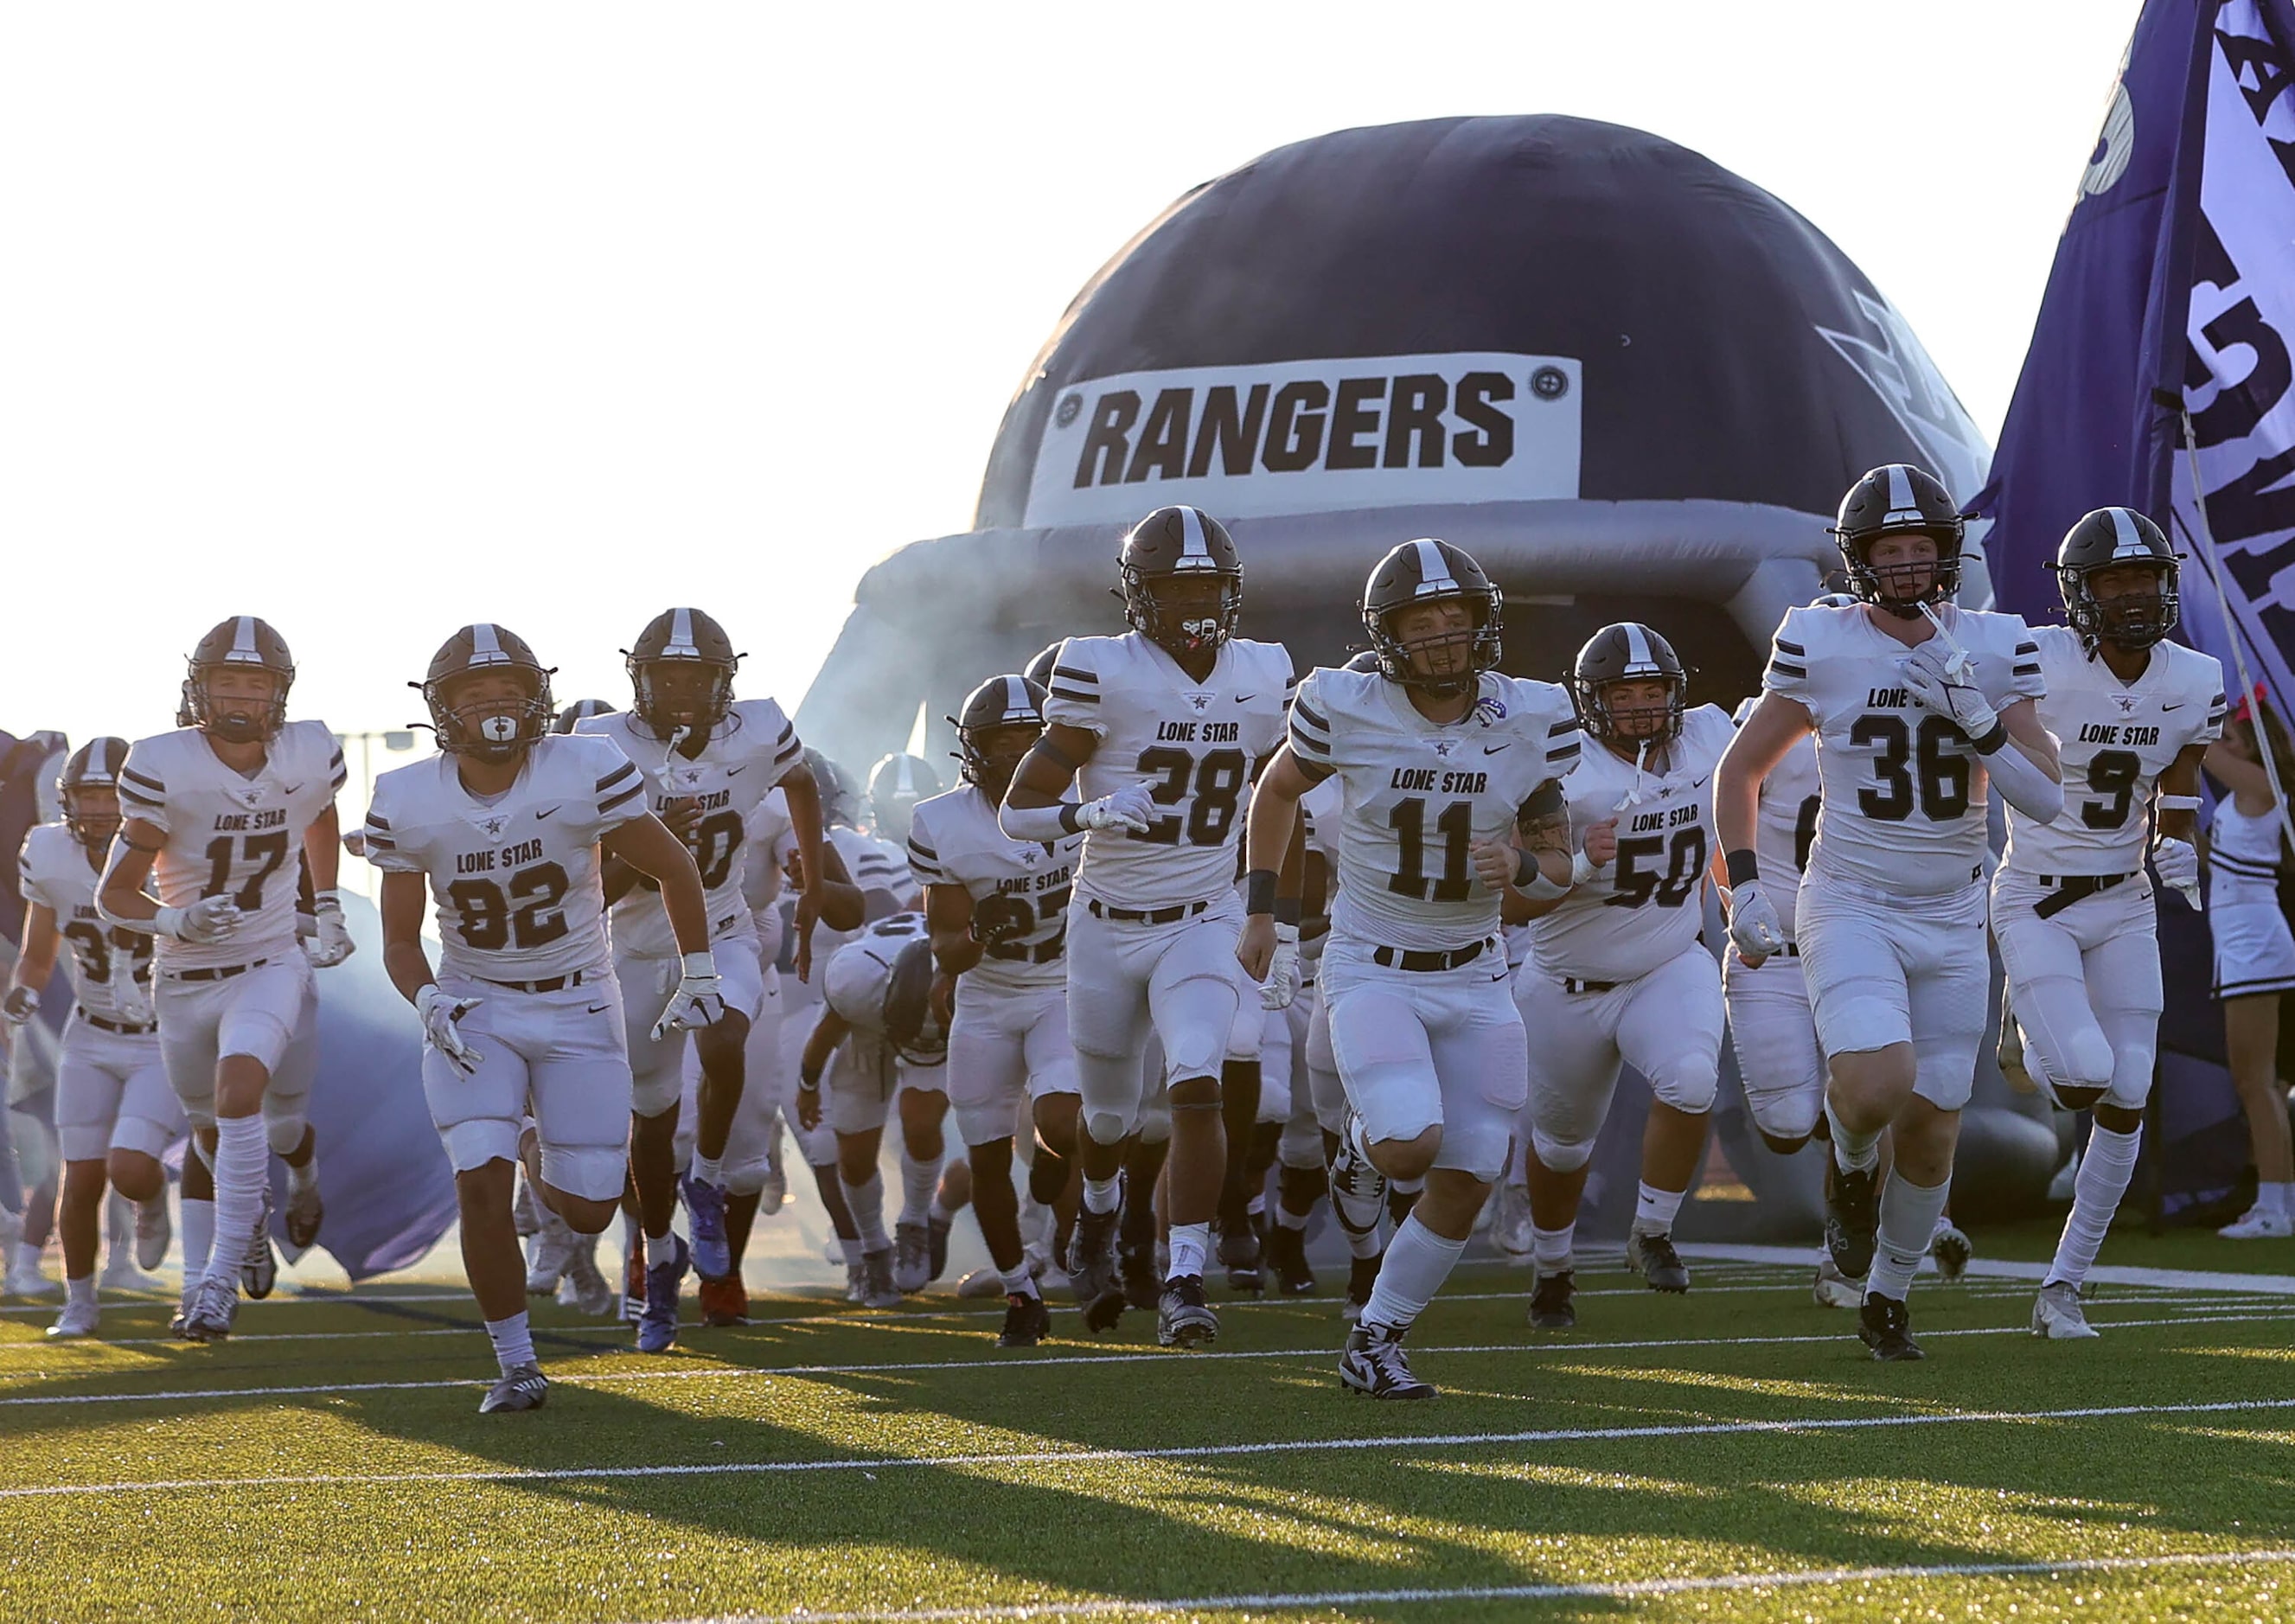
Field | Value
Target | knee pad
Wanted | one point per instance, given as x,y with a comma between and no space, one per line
286,1131
2091,1060
1559,1157
1112,1128
592,1173
747,1178
1301,1146
471,1145
1687,1090
1786,1117
141,1135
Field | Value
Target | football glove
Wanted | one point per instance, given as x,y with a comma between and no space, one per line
1753,924
440,1013
1945,682
210,919
1001,919
2177,864
1130,807
1282,982
333,943
21,1005
132,1004
697,1002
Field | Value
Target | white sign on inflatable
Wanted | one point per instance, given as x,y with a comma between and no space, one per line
1310,437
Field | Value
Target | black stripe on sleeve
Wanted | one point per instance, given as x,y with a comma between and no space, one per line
1560,727
1791,648
380,842
1302,741
1073,674
616,775
1070,693
631,794
1301,711
157,788
917,848
2023,648
135,799
789,755
375,820
1314,773
1786,669
789,731
2027,670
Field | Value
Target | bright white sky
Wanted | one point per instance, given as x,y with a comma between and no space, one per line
375,320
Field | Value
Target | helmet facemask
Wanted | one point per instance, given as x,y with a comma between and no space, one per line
1894,588
991,756
2136,619
1639,723
239,703
682,693
1173,628
498,724
1443,664
92,814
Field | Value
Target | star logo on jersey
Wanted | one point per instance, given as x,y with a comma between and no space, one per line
1201,702
492,825
2127,703
1443,747
247,795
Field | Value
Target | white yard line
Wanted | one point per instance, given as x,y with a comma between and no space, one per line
1622,1590
1069,1458
2003,1268
1177,1361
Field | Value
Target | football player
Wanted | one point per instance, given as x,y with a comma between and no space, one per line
525,1058
1163,727
877,1029
1443,760
895,785
214,813
1616,972
1304,1148
2070,907
1919,707
708,761
115,1115
997,910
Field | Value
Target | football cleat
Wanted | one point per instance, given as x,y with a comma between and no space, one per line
878,1290
936,1246
120,1274
153,1231
1026,1321
1362,1274
633,1279
1654,1259
305,1212
773,1189
1512,1227
1884,1326
1852,1215
658,1325
260,1272
705,1208
1092,1267
522,1387
77,1320
725,1302
1141,1279
179,1322
981,1283
552,1255
2058,1316
2259,1224
1832,1289
1183,1319
1951,1248
1553,1305
584,1288
912,1257
209,1314
1286,1251
1372,1363
26,1280
856,1281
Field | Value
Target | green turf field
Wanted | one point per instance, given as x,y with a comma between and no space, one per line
1731,1455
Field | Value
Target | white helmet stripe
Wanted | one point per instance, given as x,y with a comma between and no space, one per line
1639,661
1900,491
1435,577
1018,706
680,633
2127,542
1192,544
243,648
485,647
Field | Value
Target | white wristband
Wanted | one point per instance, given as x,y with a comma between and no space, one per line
1540,889
703,963
167,922
322,900
2179,803
1583,869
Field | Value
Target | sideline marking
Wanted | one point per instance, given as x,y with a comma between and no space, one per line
2008,1268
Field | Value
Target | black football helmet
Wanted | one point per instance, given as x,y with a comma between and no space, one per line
95,765
911,1025
2105,539
1013,702
895,785
1169,543
487,732
243,642
1431,571
1628,651
580,710
1039,670
839,804
1898,499
681,637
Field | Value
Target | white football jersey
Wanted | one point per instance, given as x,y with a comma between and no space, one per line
861,973
746,757
1785,826
1648,904
231,835
772,838
1418,794
515,879
54,870
2115,738
1904,791
1194,744
954,840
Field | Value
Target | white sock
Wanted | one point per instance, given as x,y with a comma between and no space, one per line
867,1204
1286,1219
1190,1244
2102,1180
199,1236
28,1258
513,1342
1407,1186
918,1180
305,1177
852,1248
1017,1281
708,1170
82,1290
1654,1210
119,1220
1257,1206
2278,1198
243,1162
1418,1261
1853,1152
940,1214
1102,1195
1550,1249
1908,1215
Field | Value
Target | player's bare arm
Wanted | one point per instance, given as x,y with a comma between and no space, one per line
948,918
1270,839
1769,734
36,962
647,844
1539,851
403,957
2181,782
826,1034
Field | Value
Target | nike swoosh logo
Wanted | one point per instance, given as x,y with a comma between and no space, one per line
600,1008
1244,698
1494,749
291,789
2176,707
737,772
539,816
